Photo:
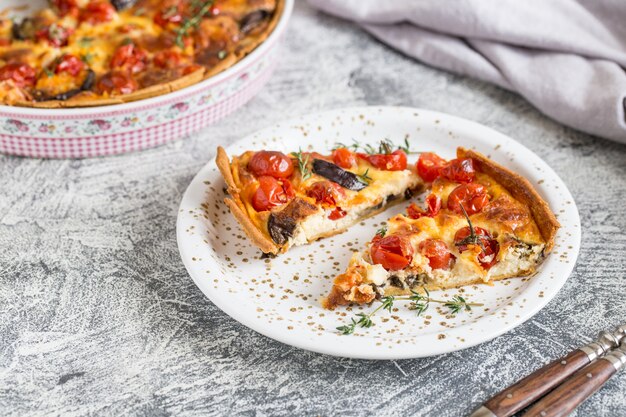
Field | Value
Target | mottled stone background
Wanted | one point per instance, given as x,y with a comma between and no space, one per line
98,315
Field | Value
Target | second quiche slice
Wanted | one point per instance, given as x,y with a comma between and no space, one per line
287,200
481,223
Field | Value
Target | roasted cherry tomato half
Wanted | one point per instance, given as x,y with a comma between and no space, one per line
117,82
473,196
392,252
272,163
69,63
326,192
344,157
55,35
97,12
271,193
167,58
130,58
439,257
429,166
395,161
65,7
22,75
433,205
489,247
459,170
171,14
337,213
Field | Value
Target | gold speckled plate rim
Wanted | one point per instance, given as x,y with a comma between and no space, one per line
214,270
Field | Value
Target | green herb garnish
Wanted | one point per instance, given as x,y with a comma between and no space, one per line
192,22
303,162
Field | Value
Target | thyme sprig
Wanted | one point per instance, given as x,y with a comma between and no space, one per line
303,162
385,147
473,238
365,320
191,22
419,303
364,177
382,231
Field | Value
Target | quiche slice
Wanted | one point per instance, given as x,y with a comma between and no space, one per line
481,223
284,200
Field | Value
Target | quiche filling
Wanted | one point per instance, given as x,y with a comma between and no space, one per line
481,223
289,200
95,52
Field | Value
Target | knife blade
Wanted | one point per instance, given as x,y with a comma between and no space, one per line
534,386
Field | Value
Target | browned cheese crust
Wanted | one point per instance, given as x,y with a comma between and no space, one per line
522,190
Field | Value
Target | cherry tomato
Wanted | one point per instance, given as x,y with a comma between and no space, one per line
22,75
439,257
97,12
395,161
55,35
337,213
70,64
344,157
473,196
326,192
117,82
65,7
167,58
392,252
429,166
271,193
433,205
489,246
459,170
171,14
272,163
130,58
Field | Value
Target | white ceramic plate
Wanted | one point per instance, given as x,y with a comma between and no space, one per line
280,297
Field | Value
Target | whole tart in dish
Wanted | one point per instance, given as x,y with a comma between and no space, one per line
481,223
287,200
79,53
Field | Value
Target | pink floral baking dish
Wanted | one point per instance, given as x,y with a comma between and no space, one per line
109,130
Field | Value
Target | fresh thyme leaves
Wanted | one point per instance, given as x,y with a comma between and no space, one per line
303,162
382,231
364,177
457,304
385,147
406,148
85,41
192,22
87,58
48,72
365,320
419,303
473,238
354,146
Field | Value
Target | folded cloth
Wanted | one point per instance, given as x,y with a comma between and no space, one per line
566,57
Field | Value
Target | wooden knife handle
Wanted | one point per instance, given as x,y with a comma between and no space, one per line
527,390
574,391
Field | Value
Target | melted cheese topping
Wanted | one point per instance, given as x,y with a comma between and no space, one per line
357,204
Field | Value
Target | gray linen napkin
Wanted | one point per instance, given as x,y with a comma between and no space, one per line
566,57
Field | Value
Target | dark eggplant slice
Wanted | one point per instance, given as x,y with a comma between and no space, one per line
23,30
122,4
281,224
252,20
337,174
86,85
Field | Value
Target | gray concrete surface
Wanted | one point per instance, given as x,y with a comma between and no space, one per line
99,317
